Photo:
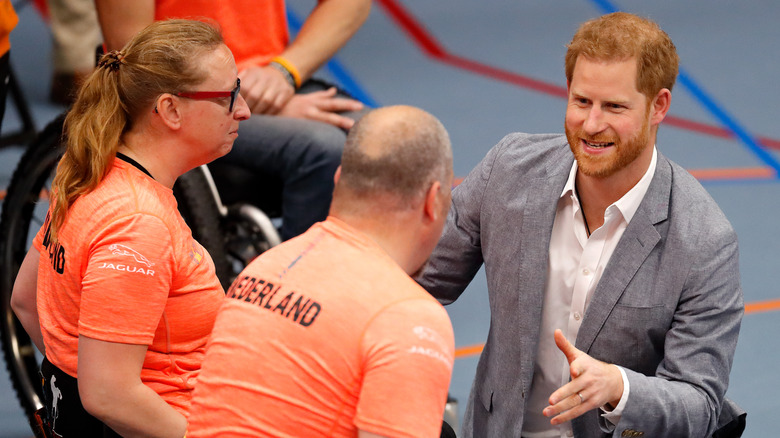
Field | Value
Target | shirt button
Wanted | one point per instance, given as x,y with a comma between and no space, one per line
577,316
586,271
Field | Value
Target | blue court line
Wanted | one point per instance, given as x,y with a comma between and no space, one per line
336,69
710,105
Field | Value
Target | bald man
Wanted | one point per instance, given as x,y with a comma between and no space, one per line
326,334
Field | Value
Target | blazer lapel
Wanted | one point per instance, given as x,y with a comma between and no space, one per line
538,215
634,246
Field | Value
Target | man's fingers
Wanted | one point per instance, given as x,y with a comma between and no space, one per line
566,392
569,415
339,105
333,119
565,346
568,408
259,105
564,405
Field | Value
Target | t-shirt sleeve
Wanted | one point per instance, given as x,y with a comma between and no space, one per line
127,280
409,351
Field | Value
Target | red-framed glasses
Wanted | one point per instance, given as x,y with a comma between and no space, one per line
232,94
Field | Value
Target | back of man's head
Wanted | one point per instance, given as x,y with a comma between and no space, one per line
391,158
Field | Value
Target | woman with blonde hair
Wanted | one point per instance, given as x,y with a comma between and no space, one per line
115,291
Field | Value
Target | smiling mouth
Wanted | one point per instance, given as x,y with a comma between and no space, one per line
598,145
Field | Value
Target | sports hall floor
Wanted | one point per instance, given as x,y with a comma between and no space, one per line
490,68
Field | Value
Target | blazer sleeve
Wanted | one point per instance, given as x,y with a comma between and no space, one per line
458,255
685,396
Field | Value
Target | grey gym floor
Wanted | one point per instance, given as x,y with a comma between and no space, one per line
493,67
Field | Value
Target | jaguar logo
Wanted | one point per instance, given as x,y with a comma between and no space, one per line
123,250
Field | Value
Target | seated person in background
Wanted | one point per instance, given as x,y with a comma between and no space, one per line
115,291
326,334
298,127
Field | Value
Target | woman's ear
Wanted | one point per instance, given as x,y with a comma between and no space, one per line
168,109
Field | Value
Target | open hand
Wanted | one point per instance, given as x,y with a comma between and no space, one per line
593,384
322,106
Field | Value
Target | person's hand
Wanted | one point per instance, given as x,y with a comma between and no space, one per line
593,384
322,106
265,89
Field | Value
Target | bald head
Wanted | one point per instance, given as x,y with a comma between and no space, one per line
393,154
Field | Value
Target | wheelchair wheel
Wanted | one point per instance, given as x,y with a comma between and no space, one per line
234,236
199,209
24,211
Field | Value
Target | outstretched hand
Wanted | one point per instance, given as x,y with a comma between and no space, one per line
593,384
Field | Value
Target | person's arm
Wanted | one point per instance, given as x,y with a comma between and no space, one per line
326,30
458,255
111,389
119,312
121,19
24,297
690,383
329,26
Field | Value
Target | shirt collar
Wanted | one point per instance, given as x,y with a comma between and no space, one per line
629,203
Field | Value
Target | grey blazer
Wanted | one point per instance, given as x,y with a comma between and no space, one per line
668,307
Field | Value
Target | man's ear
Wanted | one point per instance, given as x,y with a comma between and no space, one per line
337,175
660,106
431,210
168,110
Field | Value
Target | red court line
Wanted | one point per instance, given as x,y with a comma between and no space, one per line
755,307
431,47
733,173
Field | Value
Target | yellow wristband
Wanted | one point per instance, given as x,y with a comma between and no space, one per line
290,68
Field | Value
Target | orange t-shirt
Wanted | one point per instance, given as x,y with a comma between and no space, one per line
8,21
126,269
255,31
322,336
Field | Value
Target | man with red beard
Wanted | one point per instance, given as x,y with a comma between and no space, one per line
613,276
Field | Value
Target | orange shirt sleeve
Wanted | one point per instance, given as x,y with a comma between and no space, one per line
409,348
127,280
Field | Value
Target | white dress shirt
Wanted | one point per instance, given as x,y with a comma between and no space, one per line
575,266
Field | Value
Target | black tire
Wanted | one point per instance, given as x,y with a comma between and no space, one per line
200,212
232,238
24,210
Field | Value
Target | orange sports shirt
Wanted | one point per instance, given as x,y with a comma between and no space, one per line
8,21
126,269
255,31
322,336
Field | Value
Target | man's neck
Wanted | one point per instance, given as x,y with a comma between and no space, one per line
597,193
391,232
